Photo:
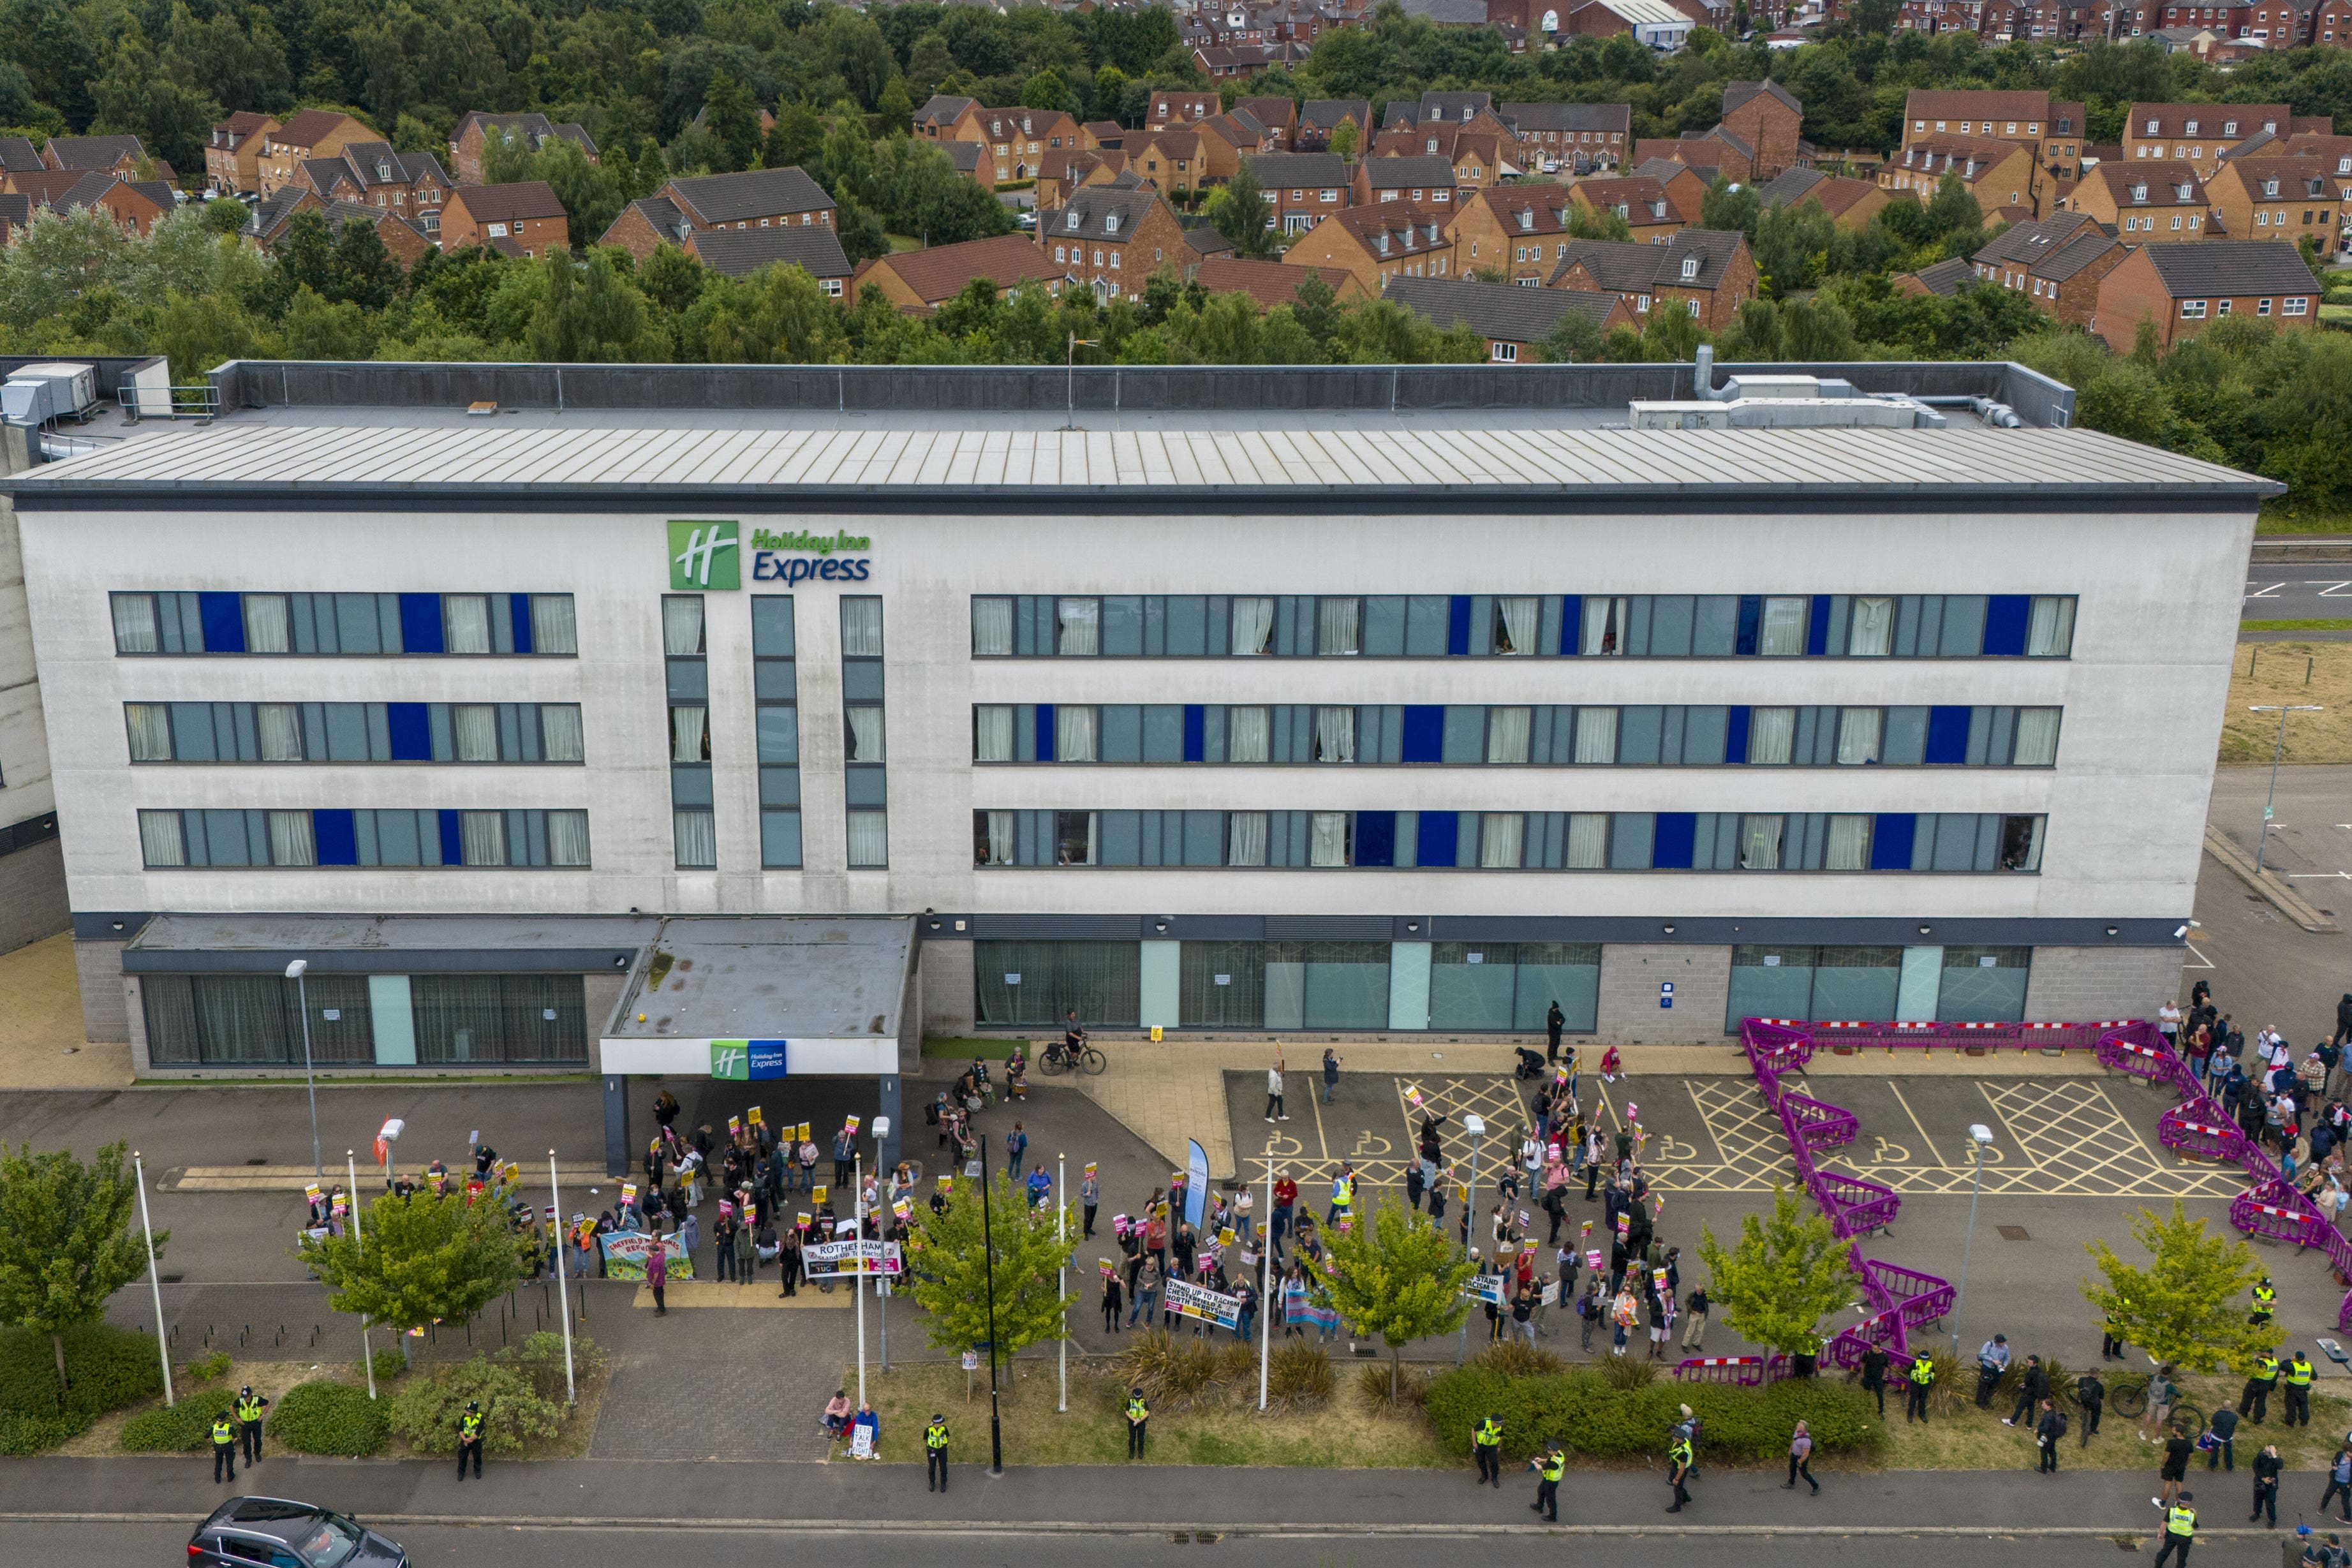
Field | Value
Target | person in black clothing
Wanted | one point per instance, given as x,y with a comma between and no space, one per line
2267,1466
2046,1433
2032,1390
1873,1375
2344,1020
1110,1303
1555,1021
2092,1395
2223,1454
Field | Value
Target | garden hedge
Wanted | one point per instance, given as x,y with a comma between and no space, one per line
106,1369
182,1428
329,1418
1592,1418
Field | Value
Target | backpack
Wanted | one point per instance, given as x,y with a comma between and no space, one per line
2061,1423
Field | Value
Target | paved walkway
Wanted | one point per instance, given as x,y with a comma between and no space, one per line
41,1044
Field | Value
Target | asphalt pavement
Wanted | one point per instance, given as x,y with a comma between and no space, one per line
2299,591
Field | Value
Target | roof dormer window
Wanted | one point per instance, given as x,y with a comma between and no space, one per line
382,169
1110,222
2271,126
2139,193
2190,128
1384,245
1431,144
2270,187
1624,210
2151,128
2229,128
1690,268
1072,225
1527,218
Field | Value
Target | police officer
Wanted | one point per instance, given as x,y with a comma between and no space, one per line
1678,1460
469,1438
1486,1444
223,1447
248,1419
2265,1302
1549,1467
1138,1417
1921,1377
2298,1391
935,1455
2255,1401
2111,1333
2180,1531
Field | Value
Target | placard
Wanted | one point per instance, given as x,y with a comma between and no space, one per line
971,1360
850,1126
1592,1260
628,1194
734,1127
1089,1174
801,1134
861,1442
311,1190
1485,1288
753,1116
1103,1266
1189,1300
625,1253
834,1259
818,1194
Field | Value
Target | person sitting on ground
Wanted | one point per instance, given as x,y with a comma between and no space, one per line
837,1412
873,1424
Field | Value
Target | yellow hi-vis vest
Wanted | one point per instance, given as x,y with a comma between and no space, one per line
470,1428
2298,1373
223,1434
249,1409
935,1436
1136,1410
1489,1435
1553,1465
2266,1369
2180,1521
1923,1372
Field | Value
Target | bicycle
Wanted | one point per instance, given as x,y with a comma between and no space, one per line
2127,1396
1055,1059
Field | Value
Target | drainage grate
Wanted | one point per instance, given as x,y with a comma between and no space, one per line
256,1162
170,1278
2012,1233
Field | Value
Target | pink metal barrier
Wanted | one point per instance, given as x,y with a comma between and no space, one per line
2183,1130
1739,1371
1855,1207
1824,1126
2277,1211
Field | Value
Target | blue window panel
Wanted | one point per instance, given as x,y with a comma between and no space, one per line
420,623
453,843
1948,735
1376,837
224,622
1424,738
337,842
1890,841
1438,832
1817,626
2005,618
1195,733
1676,833
412,735
1457,625
519,605
1751,611
1735,734
1045,731
1571,621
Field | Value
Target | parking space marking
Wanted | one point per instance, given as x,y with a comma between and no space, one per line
2001,1117
1928,1143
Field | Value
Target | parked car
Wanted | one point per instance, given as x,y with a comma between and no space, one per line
275,1532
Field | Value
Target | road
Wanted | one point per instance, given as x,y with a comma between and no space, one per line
2300,592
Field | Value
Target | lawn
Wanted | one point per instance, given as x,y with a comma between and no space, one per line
1967,1438
2278,677
2290,517
960,1049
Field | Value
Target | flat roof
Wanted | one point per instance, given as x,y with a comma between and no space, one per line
828,977
380,944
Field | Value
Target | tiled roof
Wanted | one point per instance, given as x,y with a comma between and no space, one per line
966,155
1269,111
1525,209
2056,248
504,203
1270,283
941,272
308,128
238,129
2213,121
18,155
1419,174
1797,186
1455,107
1644,200
93,151
1947,276
1735,93
2214,266
1297,169
2167,184
1631,265
943,109
1407,229
1326,113
2031,107
1502,312
1094,206
46,187
1527,116
740,252
2288,179
754,194
531,130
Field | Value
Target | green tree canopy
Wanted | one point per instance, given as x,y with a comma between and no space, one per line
1785,1273
952,1259
1237,209
1397,1278
2188,1306
68,1239
418,1260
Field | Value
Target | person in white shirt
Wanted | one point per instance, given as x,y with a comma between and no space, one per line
2168,1022
1273,1092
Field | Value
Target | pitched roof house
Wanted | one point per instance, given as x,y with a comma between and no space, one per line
1271,283
1112,239
475,133
2144,200
2185,287
313,134
1768,119
2057,262
233,152
1378,242
372,174
1512,320
1428,181
2280,198
520,219
756,198
1577,137
1649,210
740,252
1301,187
1708,272
1849,203
920,281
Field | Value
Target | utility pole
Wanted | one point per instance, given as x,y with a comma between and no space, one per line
1062,1274
1979,1138
359,1245
1475,1125
294,971
562,1291
2277,749
1070,374
155,1282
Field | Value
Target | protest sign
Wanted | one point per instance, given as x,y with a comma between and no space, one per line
1187,1301
625,1253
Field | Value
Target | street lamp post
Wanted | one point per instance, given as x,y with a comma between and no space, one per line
1475,1125
359,1246
294,971
988,1267
2277,748
1979,1138
1062,1274
154,1283
562,1291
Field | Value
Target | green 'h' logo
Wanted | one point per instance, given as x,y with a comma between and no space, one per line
730,1059
705,555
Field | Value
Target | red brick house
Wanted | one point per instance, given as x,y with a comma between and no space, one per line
2057,262
1390,240
2197,133
1111,239
371,173
476,131
1422,180
1707,272
1571,138
1271,283
1510,320
920,281
756,198
135,205
520,219
2185,287
233,152
1648,210
313,134
1768,119
2143,201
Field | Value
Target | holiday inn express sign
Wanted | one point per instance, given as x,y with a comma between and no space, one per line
708,556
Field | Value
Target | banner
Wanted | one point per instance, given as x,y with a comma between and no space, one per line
625,1253
1485,1288
1187,1301
1196,1184
837,1259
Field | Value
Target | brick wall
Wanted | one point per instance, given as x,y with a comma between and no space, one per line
1631,974
2082,985
948,994
105,1016
33,896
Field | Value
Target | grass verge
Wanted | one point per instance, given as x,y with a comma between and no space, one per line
2320,626
2274,673
2280,516
1973,1439
957,1048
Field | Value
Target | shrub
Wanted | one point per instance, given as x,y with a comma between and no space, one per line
1299,1375
1625,1373
540,1358
329,1418
1516,1358
1592,1419
427,1411
24,1433
1372,1387
208,1366
1173,1371
389,1363
180,1428
106,1369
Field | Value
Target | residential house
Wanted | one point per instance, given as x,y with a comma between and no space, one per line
2197,133
1716,155
1271,283
1062,173
233,152
1576,138
1512,322
405,242
1687,186
2279,198
520,219
1998,173
1240,62
118,155
919,282
755,198
946,117
2333,25
135,205
1419,180
477,131
1768,119
2144,200
19,156
1018,139
1944,277
1301,188
2053,130
2057,262
740,252
1279,116
973,161
1096,135
1170,107
1519,232
1111,240
1662,27
2185,287
1849,203
1377,243
1170,159
1319,117
371,173
1707,272
15,217
42,187
1649,212
313,133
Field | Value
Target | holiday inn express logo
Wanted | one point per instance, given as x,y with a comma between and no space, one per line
703,555
706,555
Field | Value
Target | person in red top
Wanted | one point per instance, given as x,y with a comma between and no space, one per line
1285,1203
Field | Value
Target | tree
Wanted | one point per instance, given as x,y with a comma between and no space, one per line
1344,138
2189,1306
731,115
952,1260
1396,1277
592,314
1237,210
1729,206
223,216
797,139
1046,90
1781,1278
416,1261
1576,340
66,1240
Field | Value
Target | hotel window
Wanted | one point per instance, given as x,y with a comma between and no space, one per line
1248,730
776,690
687,669
353,732
866,783
1253,625
1078,629
177,623
395,838
2049,627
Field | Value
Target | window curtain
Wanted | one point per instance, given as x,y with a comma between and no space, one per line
1334,734
1518,615
171,1019
1253,625
1502,838
1246,739
567,839
544,1017
1771,734
992,732
695,835
151,731
861,627
245,1018
869,839
1588,840
2021,843
1605,625
1338,626
1783,631
1596,736
1328,843
864,729
1759,843
290,842
991,626
689,735
1074,733
457,1017
682,625
1073,837
475,725
1078,625
1000,845
2050,629
2037,738
280,724
135,623
468,622
552,627
482,835
558,732
1871,631
161,840
1246,846
265,624
1848,846
1857,740
1507,733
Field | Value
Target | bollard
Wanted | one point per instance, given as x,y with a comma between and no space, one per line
2306,672
2253,661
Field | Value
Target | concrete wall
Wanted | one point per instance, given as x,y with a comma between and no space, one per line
1631,974
105,1013
603,991
950,1002
33,895
2084,984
